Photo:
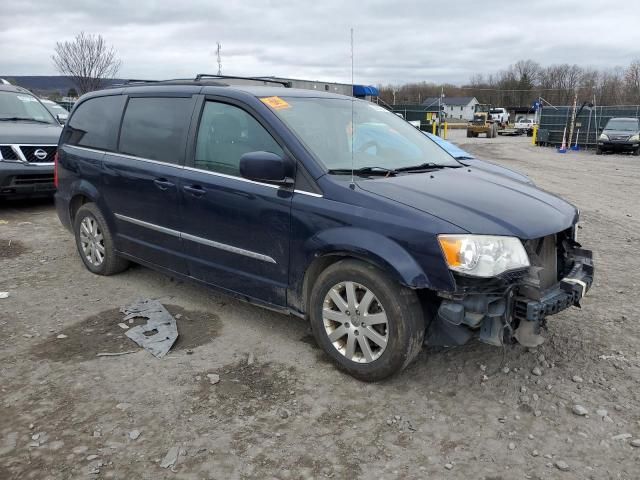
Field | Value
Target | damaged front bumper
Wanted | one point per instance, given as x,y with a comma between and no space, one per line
568,292
509,308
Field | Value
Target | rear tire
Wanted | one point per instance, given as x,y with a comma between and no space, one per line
362,343
469,134
598,151
95,242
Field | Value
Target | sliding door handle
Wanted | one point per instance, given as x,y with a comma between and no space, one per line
195,190
163,183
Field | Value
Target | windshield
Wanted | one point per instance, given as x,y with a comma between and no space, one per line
23,106
55,108
380,138
630,125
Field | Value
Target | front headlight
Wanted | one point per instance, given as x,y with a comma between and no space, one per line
483,255
603,137
634,138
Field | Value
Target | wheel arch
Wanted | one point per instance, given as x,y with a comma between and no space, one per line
83,192
380,251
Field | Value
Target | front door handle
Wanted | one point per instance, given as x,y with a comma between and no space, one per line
195,190
163,183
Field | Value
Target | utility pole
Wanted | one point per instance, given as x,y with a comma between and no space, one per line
440,98
219,58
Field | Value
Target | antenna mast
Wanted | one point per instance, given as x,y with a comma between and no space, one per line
219,58
353,127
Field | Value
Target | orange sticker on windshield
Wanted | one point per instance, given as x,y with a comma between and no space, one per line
275,102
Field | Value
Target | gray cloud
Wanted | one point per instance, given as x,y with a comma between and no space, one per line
394,41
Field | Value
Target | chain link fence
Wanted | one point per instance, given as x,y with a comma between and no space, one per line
589,123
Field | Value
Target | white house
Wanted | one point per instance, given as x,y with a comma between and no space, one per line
460,108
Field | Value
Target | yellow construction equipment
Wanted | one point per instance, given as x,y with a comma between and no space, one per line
482,122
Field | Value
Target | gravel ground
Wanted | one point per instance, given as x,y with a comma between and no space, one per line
568,410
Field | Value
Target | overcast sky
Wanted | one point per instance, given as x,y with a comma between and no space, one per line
395,42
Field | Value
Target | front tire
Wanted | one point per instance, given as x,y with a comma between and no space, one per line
370,326
95,242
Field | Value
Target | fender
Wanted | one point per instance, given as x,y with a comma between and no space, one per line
65,203
373,247
81,186
87,189
366,245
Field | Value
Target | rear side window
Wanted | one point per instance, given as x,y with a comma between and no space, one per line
94,124
225,134
156,128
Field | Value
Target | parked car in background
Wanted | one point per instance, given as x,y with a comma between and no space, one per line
499,115
525,125
321,206
58,111
620,135
28,139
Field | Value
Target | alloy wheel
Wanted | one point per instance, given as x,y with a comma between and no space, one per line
92,241
355,322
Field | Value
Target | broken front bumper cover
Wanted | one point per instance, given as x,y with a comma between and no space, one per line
567,293
511,309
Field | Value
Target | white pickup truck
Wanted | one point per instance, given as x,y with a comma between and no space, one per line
525,125
500,115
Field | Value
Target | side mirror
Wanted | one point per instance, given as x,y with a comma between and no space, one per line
61,118
266,167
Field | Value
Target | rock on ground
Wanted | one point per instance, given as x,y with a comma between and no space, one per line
580,410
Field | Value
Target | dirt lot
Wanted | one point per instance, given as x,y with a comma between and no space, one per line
66,414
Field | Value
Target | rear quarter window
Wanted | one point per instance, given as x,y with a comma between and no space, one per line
94,123
156,128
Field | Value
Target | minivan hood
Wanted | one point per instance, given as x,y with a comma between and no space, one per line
29,132
479,202
493,168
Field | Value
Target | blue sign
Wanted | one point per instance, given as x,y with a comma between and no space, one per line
536,105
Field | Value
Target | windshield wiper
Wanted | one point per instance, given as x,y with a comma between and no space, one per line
423,167
364,171
21,119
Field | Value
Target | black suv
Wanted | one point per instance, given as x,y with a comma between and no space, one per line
318,205
28,139
620,134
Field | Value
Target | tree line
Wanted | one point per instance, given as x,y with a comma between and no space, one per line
526,80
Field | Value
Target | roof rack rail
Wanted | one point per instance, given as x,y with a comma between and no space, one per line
137,80
284,83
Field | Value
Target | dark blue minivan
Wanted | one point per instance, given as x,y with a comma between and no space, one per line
319,205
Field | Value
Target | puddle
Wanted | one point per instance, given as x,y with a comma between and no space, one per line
11,248
100,333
